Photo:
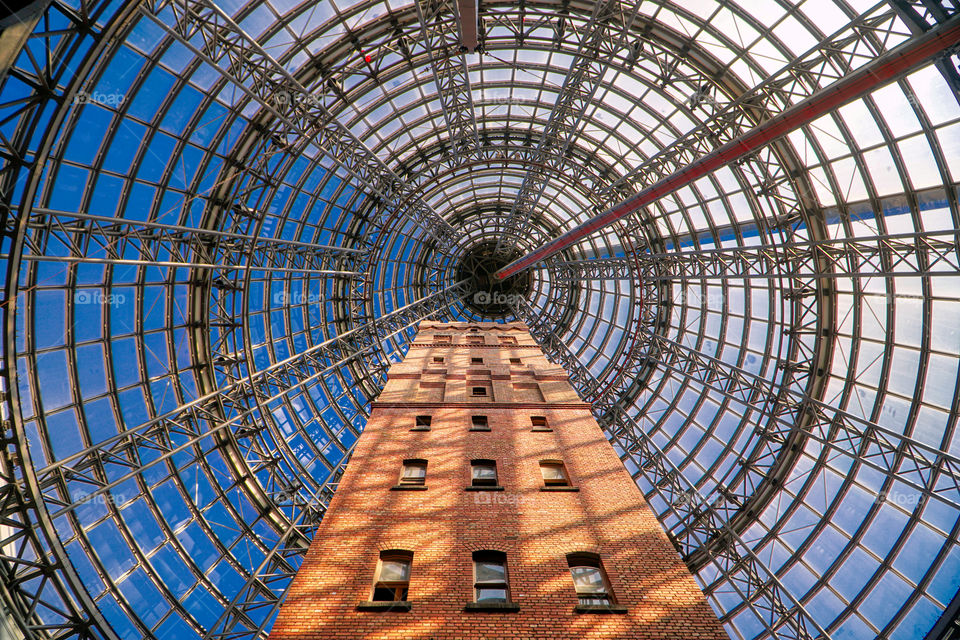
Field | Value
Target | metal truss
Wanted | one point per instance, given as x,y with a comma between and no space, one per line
923,15
298,113
856,44
765,460
227,407
380,76
596,51
236,411
922,253
740,568
449,66
58,236
266,587
42,591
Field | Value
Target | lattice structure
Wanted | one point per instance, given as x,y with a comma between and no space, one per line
222,223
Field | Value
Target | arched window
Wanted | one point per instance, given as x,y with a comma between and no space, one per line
393,576
490,581
589,579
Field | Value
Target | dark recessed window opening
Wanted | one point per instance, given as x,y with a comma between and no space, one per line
393,576
479,422
479,392
538,421
423,422
483,473
514,360
476,360
437,360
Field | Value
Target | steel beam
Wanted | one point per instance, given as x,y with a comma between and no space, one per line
60,236
593,58
468,24
211,34
746,573
888,67
924,253
449,67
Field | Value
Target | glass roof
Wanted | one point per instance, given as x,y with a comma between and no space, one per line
224,220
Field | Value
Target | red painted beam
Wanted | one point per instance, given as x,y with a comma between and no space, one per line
467,19
884,69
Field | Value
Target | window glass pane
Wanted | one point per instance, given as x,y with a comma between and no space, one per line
394,571
487,594
588,579
491,572
484,472
414,471
552,472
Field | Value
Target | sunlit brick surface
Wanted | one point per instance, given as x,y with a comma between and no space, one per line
444,524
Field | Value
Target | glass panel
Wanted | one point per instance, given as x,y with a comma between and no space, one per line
484,472
491,571
394,571
415,473
552,472
488,594
588,579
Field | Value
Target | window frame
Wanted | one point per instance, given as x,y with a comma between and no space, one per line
484,482
592,561
399,587
413,481
491,556
555,482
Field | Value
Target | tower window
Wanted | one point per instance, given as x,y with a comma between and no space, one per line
490,577
437,360
393,576
508,340
514,360
539,423
589,579
441,339
554,474
479,392
483,473
414,473
422,422
474,339
479,423
476,360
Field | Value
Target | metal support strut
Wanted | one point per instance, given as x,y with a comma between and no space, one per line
867,78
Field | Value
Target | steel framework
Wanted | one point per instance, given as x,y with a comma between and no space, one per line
220,226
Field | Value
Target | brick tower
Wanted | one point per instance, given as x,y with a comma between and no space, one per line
483,501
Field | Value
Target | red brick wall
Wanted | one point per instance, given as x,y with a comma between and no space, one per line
443,525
